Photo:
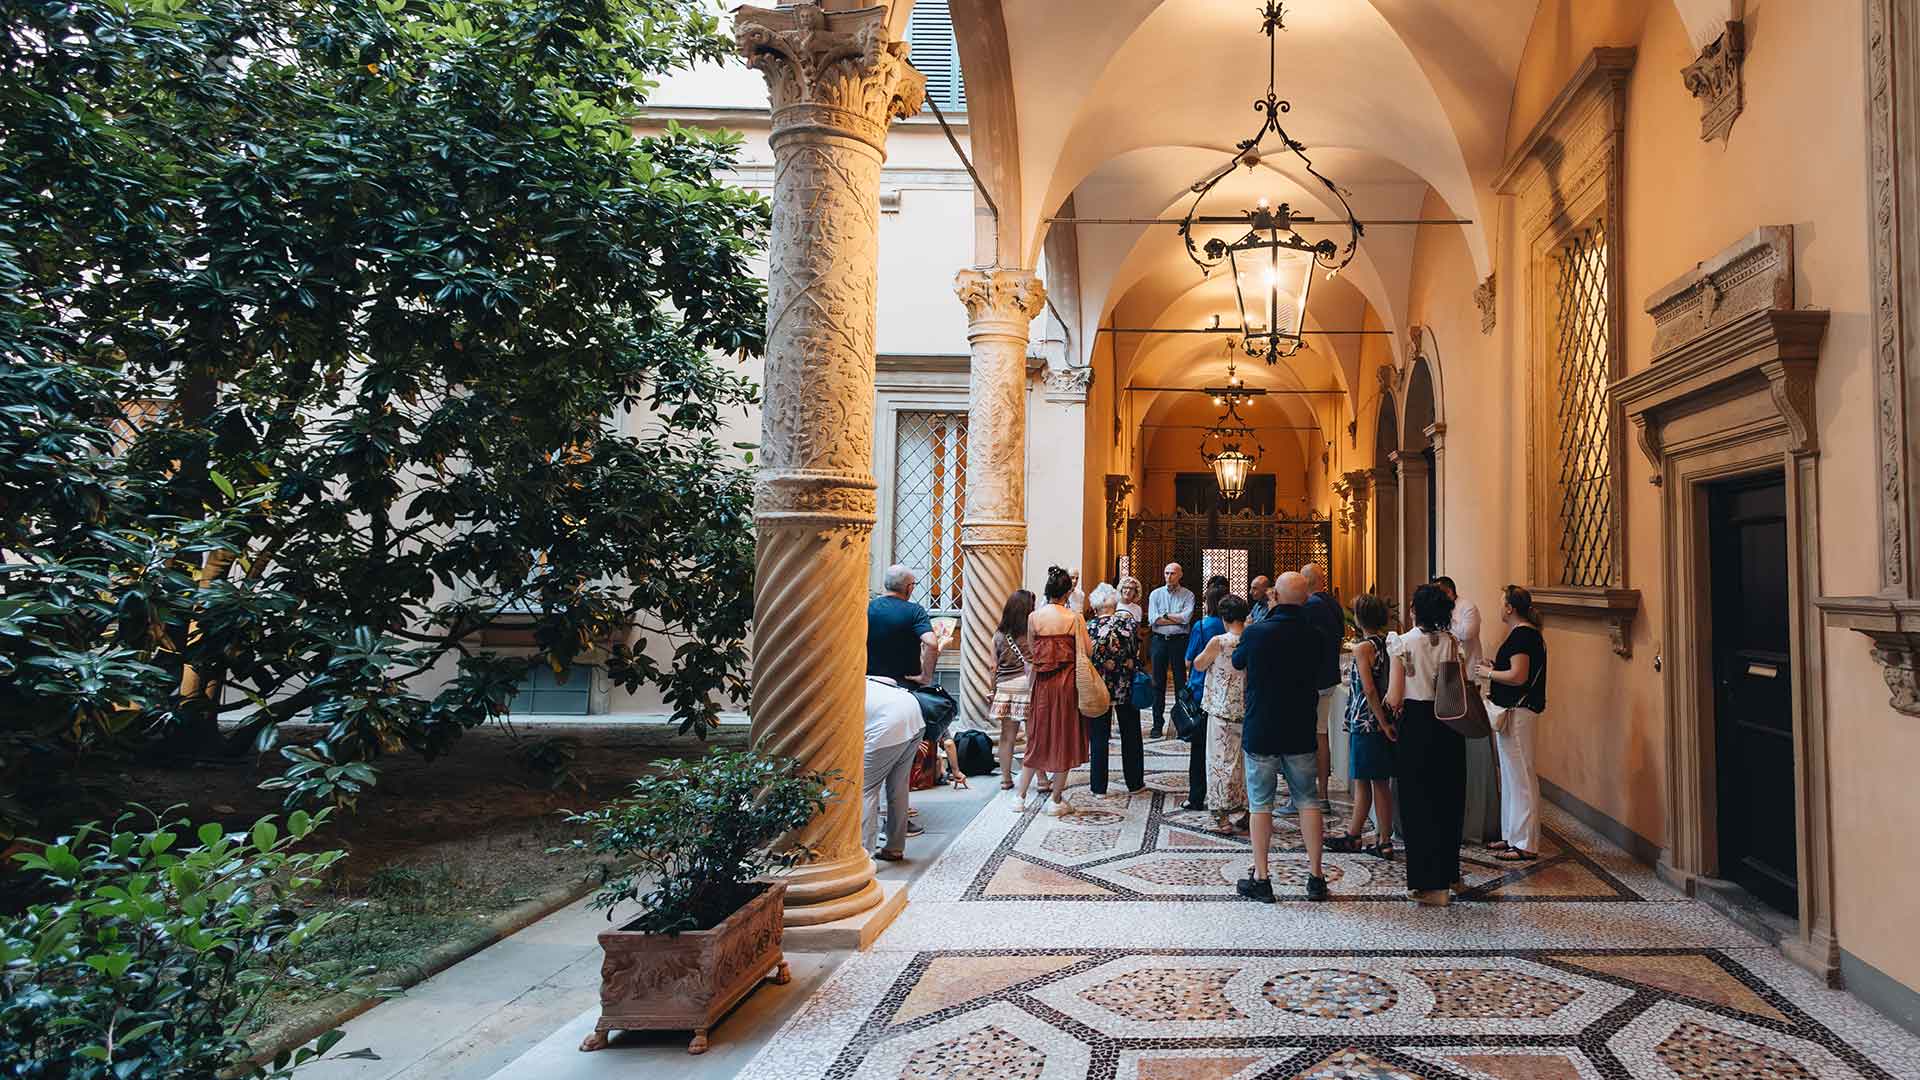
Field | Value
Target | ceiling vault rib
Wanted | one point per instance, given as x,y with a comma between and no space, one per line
1223,219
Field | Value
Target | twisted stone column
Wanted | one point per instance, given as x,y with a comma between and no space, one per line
836,82
993,528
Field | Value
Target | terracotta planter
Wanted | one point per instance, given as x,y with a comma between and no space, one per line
662,982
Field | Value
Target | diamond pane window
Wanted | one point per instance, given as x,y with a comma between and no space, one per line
1582,340
1230,563
929,491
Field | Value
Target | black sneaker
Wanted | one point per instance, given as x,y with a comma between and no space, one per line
1260,889
1316,888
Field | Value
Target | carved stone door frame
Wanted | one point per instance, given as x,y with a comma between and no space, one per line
1730,395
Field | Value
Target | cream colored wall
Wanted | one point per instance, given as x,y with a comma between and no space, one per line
1796,156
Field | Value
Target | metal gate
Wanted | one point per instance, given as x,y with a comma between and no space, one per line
1268,544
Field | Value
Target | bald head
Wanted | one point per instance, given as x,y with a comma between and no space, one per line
1291,589
1257,588
1316,577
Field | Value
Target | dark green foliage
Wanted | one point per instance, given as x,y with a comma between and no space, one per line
432,335
700,833
156,950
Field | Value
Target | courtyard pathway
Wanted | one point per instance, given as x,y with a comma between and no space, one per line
1110,945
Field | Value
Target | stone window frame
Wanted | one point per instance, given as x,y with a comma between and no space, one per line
904,384
1566,175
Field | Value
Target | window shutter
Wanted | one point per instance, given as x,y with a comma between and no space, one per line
936,55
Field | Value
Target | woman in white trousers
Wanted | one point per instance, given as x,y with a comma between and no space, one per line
1519,683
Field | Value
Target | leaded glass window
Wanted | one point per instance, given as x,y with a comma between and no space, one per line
1582,342
929,493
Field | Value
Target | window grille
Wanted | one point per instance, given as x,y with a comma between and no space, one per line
929,493
1582,346
936,55
136,416
1230,563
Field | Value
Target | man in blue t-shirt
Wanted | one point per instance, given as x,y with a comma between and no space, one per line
900,641
1281,658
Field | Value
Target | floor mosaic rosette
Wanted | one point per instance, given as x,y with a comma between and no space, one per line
1110,944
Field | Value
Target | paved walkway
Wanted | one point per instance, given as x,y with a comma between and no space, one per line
1110,945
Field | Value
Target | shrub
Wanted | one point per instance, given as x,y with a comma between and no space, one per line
701,832
152,958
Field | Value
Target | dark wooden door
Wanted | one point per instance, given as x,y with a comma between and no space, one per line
1747,530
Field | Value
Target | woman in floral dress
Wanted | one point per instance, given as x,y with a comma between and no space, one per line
1225,703
1116,656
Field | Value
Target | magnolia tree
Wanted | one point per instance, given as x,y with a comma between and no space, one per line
339,332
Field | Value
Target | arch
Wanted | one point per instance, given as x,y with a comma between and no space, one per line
1383,502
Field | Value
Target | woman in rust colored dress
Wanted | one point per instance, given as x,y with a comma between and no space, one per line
1056,736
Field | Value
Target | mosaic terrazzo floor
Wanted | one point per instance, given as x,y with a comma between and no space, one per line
1110,945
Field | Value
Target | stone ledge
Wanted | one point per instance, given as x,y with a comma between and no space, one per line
1615,607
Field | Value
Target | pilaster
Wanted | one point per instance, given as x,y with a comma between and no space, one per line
1000,304
1410,466
836,81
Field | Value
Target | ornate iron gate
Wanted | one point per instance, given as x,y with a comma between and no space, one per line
1271,544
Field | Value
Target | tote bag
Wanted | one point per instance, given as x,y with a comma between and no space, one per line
1456,700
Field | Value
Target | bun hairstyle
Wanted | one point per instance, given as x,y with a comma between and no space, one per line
1059,584
1432,611
1521,601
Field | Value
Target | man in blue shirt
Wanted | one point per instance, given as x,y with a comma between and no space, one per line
1325,614
1170,617
1281,658
900,639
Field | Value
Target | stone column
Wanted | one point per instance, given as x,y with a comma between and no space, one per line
1437,438
993,529
836,82
1356,487
1411,465
1384,498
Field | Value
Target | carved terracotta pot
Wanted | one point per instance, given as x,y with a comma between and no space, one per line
687,981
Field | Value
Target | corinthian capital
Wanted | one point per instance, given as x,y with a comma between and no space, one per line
830,69
997,295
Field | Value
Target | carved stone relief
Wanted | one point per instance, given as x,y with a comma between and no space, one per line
1715,80
1483,298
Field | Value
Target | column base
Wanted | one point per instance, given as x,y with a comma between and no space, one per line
822,892
855,933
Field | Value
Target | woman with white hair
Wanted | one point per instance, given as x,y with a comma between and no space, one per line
1116,656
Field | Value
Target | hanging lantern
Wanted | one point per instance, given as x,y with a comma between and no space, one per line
1272,264
1272,275
1231,462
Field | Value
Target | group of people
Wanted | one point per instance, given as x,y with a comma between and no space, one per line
1254,682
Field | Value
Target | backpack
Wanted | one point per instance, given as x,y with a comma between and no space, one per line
976,753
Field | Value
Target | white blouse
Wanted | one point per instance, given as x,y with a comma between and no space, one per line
1422,653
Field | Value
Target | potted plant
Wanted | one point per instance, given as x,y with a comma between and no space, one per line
701,837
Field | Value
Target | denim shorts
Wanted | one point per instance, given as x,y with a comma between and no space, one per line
1303,781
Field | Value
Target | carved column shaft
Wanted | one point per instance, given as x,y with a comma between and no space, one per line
1411,567
1384,497
993,529
835,82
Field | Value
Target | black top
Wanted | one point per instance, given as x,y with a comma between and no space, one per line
1280,656
1523,640
894,627
1324,612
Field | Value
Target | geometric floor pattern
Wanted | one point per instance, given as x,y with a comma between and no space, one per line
1110,945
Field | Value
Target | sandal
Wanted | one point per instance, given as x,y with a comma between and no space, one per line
1383,850
1006,785
959,781
1345,845
1497,845
1514,854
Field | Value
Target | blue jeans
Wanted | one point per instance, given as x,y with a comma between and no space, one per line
1302,772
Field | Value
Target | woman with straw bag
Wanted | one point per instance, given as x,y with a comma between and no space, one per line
1056,734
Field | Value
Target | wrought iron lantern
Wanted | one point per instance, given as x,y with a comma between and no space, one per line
1232,462
1272,264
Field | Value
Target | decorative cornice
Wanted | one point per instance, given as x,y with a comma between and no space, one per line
1751,274
1894,628
831,71
1605,69
1715,80
1483,298
1615,607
